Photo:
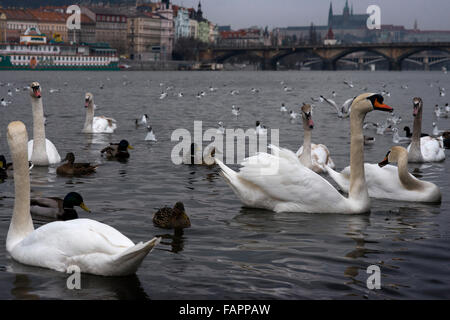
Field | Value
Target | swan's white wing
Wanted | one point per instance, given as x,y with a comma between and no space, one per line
103,125
288,185
52,153
320,155
431,149
91,245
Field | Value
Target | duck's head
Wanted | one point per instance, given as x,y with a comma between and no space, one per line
35,90
417,105
180,219
368,102
124,145
89,97
307,115
70,157
73,199
149,128
393,155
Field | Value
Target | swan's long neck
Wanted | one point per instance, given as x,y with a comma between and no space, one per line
39,155
358,189
305,157
89,117
405,177
415,154
21,222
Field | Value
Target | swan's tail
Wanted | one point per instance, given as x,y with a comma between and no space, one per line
128,262
229,175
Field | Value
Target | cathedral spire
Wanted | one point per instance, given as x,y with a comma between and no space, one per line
330,14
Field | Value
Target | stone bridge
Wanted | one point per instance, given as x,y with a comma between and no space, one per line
394,53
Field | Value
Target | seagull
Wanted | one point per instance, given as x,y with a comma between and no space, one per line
283,108
221,129
163,95
442,92
53,90
260,129
287,89
9,93
234,92
150,135
235,111
293,115
144,119
180,95
254,90
349,83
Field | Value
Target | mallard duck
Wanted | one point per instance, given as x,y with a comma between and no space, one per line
70,168
5,167
117,150
169,218
57,208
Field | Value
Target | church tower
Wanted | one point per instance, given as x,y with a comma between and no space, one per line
346,12
330,14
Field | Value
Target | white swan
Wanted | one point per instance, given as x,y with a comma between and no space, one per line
94,247
390,182
312,156
425,149
41,151
279,182
99,124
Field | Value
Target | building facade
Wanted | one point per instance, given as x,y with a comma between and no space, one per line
144,36
181,23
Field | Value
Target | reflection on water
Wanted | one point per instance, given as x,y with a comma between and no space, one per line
230,252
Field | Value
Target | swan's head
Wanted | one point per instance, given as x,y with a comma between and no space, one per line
393,155
73,199
368,102
35,90
70,157
307,115
124,145
417,105
88,99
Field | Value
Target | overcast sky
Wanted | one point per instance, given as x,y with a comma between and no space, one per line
430,14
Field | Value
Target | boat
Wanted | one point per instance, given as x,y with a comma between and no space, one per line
34,52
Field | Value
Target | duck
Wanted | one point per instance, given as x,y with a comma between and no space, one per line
446,139
312,156
57,208
117,150
385,181
96,248
41,151
195,156
423,149
280,183
70,168
150,134
172,218
408,132
99,124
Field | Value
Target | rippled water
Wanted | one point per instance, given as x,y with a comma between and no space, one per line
230,252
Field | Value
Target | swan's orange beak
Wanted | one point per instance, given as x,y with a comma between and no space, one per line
86,103
311,124
383,163
382,106
37,92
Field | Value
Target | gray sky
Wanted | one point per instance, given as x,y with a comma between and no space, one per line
430,14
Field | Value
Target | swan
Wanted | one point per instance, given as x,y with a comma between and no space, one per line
279,181
312,156
43,152
389,182
423,149
99,124
94,247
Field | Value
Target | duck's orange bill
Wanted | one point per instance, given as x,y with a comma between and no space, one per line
382,107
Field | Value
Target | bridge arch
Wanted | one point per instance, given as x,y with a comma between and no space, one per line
234,53
285,53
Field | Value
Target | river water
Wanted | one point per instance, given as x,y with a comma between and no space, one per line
230,252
